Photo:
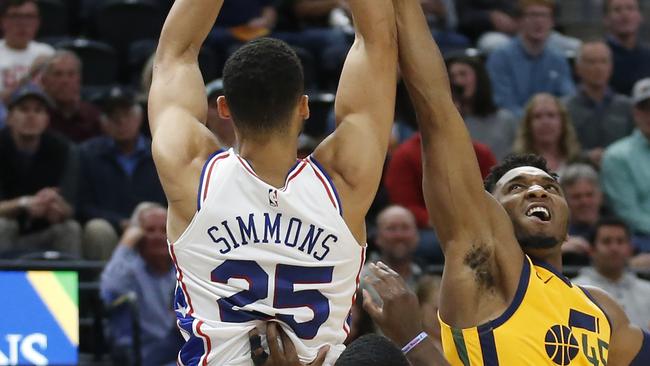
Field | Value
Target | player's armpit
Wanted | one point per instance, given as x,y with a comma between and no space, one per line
628,343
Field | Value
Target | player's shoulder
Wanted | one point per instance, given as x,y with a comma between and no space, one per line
606,302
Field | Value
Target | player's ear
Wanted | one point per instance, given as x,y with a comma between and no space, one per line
223,108
304,107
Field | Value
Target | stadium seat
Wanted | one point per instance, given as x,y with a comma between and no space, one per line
99,61
142,19
54,18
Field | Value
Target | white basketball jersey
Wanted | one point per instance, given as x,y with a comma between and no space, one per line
255,253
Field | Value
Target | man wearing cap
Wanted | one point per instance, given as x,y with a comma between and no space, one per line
222,128
38,174
626,170
118,173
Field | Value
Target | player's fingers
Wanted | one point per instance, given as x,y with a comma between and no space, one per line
320,357
272,340
380,273
384,267
258,354
287,344
369,305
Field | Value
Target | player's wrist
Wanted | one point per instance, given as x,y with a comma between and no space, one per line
414,342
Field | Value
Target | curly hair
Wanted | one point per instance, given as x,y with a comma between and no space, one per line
514,161
263,82
525,140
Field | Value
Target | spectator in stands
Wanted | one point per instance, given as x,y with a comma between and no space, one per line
403,181
599,115
581,186
631,58
20,21
547,131
610,253
118,173
397,239
141,266
478,17
38,174
527,65
76,119
443,22
223,128
472,91
241,21
307,25
626,170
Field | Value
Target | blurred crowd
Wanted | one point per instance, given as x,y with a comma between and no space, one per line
568,80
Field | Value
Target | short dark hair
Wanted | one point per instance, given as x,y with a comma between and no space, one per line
263,82
514,161
372,350
608,221
483,101
6,4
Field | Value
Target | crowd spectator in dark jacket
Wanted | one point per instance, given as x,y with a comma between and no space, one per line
118,172
631,58
599,115
38,173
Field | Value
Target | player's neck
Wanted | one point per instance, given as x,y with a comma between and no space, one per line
271,157
552,257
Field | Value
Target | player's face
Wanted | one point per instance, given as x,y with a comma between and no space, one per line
29,118
536,205
612,249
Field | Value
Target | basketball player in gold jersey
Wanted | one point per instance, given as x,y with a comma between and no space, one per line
504,300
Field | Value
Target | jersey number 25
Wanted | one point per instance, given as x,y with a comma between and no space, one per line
284,296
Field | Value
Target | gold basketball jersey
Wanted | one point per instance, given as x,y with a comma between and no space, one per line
550,322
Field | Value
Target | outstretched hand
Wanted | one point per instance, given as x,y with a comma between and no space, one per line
399,318
279,356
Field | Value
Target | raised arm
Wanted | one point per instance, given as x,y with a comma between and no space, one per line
365,105
453,188
468,221
178,107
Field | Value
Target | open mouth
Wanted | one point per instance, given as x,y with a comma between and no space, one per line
542,213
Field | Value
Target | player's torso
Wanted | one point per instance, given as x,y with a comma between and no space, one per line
550,322
254,252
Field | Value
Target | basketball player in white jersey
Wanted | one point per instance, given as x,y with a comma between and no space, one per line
256,234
